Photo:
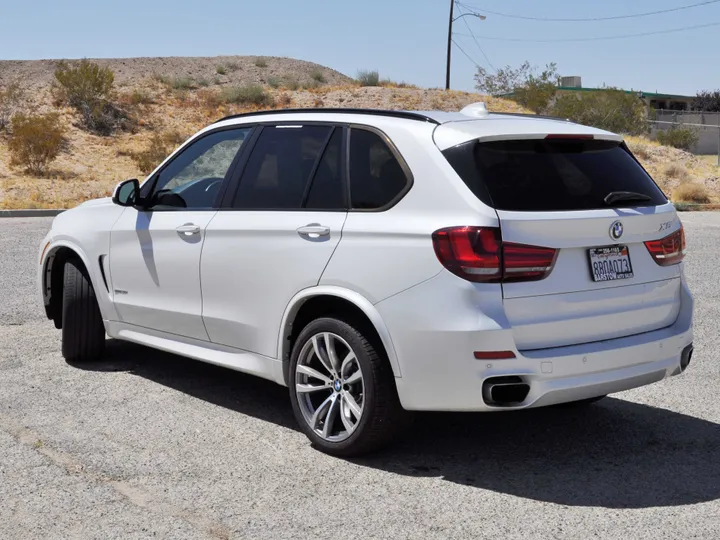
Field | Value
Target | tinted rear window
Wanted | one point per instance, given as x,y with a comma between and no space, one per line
547,175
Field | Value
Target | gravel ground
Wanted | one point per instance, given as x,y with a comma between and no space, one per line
146,444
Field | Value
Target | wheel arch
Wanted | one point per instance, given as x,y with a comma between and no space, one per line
52,273
325,300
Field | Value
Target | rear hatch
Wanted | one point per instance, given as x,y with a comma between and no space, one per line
591,201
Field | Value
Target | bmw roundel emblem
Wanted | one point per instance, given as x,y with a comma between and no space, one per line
616,230
337,385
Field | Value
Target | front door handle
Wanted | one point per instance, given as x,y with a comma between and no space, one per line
314,230
188,229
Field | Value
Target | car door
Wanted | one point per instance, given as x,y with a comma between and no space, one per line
276,236
155,248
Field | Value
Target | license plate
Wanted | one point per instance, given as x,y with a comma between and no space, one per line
610,263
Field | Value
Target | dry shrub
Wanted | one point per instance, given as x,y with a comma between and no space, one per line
641,152
691,192
675,170
160,147
317,75
12,100
318,102
284,100
209,99
36,141
249,94
678,137
368,78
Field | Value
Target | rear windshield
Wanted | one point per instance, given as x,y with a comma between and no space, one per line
555,174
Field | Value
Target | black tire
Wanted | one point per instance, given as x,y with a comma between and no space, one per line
383,418
580,403
83,332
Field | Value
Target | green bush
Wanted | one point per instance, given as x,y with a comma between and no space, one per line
261,62
35,141
274,82
368,78
609,109
83,84
250,94
182,83
318,76
88,88
678,137
221,70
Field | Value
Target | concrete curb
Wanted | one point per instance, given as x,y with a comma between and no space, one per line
40,212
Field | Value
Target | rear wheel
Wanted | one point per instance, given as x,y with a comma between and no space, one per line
83,333
342,390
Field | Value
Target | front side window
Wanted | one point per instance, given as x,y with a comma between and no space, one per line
193,178
376,177
279,169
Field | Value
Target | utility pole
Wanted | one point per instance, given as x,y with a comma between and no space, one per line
449,46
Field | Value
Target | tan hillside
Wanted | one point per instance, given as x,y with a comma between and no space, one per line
177,96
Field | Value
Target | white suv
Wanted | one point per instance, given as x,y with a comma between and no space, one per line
379,262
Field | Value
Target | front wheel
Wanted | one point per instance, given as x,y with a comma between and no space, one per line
83,332
342,389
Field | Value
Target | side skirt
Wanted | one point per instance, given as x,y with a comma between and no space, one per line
211,353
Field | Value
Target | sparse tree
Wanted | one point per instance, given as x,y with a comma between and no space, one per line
707,101
529,88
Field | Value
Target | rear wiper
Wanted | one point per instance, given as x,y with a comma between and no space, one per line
618,196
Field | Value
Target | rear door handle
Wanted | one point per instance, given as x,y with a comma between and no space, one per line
314,230
188,229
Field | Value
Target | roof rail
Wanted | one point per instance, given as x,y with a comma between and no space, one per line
407,115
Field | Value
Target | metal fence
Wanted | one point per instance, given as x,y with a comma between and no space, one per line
706,125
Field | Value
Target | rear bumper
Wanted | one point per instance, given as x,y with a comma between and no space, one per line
437,326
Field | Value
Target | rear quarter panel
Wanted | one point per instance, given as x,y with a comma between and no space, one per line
385,252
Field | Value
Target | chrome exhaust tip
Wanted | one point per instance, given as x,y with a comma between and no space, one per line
505,391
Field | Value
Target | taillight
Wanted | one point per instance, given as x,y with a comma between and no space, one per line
669,250
478,254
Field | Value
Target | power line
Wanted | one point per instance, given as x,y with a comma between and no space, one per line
466,54
589,19
478,45
598,38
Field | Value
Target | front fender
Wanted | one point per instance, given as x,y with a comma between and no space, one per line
351,296
49,250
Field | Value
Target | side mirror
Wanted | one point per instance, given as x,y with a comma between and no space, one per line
127,193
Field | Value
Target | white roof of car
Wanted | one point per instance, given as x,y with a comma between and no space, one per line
473,122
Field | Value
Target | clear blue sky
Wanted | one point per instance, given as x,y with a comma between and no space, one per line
403,39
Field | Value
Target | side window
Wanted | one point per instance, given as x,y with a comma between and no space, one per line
193,178
376,177
327,191
279,168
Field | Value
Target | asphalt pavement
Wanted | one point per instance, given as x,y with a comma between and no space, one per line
146,444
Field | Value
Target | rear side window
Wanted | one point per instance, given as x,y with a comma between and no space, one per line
279,168
376,176
551,175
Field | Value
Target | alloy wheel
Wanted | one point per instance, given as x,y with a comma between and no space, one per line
329,386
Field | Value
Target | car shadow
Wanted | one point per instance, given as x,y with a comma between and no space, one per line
613,454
